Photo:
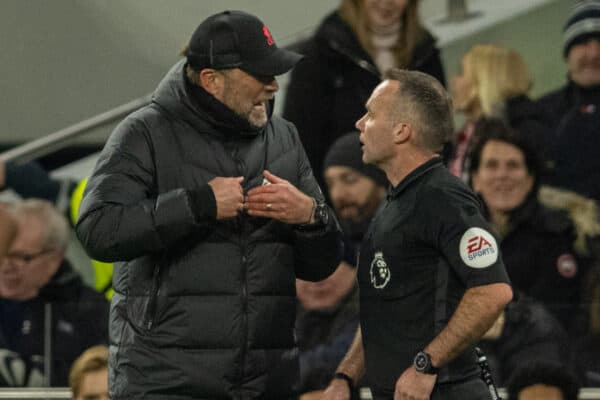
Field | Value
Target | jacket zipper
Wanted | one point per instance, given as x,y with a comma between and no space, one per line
151,310
244,299
362,63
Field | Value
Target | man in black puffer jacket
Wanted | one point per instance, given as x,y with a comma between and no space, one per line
209,208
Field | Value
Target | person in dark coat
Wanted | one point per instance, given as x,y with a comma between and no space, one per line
573,112
544,380
344,61
525,333
538,243
38,285
208,207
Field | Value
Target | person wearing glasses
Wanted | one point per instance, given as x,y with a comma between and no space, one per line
37,286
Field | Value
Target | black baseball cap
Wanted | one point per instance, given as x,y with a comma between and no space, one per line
236,39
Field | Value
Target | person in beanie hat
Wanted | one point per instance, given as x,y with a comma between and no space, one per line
573,111
208,207
328,310
581,43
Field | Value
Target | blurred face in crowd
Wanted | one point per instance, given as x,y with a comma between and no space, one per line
383,13
329,292
29,265
502,177
245,94
583,61
354,196
377,125
539,392
94,386
463,91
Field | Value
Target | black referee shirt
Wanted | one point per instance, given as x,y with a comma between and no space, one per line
427,244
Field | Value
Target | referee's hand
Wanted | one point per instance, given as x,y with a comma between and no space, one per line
337,390
413,385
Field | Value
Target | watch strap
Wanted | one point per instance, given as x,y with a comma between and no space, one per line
346,377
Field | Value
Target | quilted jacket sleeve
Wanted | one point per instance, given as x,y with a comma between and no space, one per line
122,215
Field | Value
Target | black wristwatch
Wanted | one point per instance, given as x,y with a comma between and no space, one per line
321,214
422,364
345,377
320,217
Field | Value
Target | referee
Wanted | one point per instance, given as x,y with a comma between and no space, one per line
431,277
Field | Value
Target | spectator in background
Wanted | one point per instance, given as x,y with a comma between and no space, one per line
586,346
344,61
30,180
328,315
543,381
88,377
537,243
37,283
8,231
494,82
571,147
524,333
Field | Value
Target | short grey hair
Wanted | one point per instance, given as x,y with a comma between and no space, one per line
427,99
56,229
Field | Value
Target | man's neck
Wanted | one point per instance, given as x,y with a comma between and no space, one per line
400,167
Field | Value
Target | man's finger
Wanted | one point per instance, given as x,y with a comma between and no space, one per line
273,178
261,195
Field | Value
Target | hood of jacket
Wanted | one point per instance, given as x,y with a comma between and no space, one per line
183,100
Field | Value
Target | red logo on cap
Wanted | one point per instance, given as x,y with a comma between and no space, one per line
267,34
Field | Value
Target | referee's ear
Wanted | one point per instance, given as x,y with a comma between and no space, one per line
402,132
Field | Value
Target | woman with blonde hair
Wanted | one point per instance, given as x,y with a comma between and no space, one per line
344,61
494,82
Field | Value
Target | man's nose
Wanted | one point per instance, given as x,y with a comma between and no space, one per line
359,123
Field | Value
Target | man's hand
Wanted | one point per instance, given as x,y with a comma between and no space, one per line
413,385
337,390
279,200
229,195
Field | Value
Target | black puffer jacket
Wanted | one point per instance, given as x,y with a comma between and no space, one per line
202,309
328,89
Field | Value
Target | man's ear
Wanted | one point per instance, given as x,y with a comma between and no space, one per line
402,132
211,81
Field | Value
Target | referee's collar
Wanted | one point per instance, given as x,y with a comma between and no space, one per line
414,175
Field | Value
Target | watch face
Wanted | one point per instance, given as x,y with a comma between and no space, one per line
321,214
421,362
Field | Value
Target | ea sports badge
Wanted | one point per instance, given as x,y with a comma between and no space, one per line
478,248
379,271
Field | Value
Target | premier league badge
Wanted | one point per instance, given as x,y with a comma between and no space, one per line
379,271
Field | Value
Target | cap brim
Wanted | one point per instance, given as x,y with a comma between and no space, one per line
278,62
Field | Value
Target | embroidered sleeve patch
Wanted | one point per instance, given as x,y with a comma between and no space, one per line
478,248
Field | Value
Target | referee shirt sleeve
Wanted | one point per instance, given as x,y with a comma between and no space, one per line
464,237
